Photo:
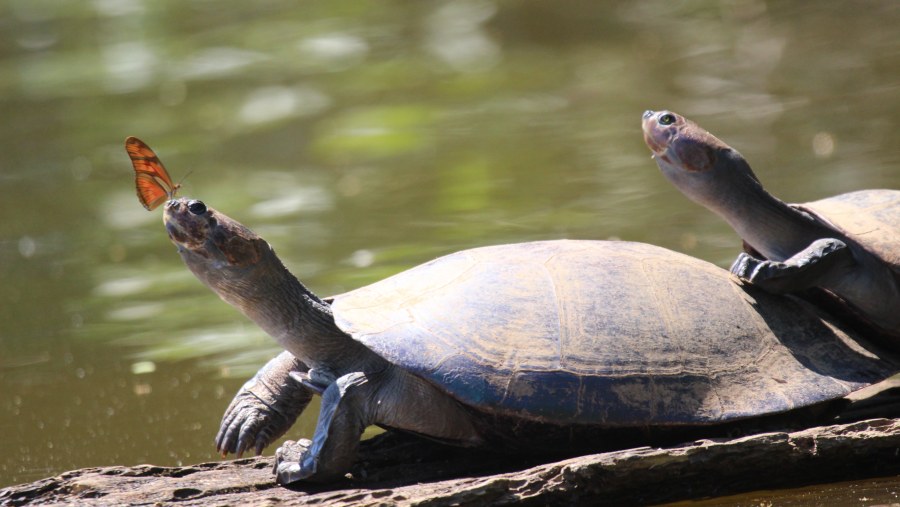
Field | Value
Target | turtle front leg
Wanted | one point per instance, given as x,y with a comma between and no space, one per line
811,267
343,417
264,408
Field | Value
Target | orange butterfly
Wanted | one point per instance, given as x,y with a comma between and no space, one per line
153,183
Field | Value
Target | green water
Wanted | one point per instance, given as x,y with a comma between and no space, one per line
362,138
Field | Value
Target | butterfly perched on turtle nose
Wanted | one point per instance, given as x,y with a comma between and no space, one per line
153,183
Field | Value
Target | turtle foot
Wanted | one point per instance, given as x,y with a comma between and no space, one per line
821,263
768,275
746,266
263,409
293,462
249,423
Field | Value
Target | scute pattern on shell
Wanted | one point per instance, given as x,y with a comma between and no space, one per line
603,333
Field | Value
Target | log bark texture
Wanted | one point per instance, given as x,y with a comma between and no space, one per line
399,469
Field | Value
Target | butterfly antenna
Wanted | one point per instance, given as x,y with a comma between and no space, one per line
185,177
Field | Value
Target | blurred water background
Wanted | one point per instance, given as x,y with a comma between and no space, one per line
360,139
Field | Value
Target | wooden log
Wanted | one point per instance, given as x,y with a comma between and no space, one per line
400,469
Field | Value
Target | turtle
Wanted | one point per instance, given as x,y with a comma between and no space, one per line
847,245
547,346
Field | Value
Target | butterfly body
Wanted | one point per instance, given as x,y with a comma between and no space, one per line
152,181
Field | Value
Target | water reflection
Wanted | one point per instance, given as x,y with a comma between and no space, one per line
458,37
361,139
333,52
272,103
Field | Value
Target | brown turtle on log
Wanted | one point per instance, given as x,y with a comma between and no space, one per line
555,346
848,245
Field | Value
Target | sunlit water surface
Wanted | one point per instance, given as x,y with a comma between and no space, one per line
360,139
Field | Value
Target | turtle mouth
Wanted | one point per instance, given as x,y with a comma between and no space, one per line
176,234
183,228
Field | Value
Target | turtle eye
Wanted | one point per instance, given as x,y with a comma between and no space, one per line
197,207
666,119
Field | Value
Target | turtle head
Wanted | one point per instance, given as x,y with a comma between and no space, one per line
244,271
705,169
226,256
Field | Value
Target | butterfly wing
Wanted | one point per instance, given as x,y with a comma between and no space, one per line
149,191
152,181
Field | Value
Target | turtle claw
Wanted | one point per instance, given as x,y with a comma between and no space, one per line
809,268
263,409
249,423
745,266
289,472
771,276
292,463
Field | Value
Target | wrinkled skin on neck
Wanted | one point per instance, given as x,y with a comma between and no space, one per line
358,387
244,271
714,175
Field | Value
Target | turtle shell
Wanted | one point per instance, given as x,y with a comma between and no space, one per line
605,333
869,217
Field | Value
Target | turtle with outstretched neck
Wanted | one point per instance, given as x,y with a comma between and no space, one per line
557,347
848,245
